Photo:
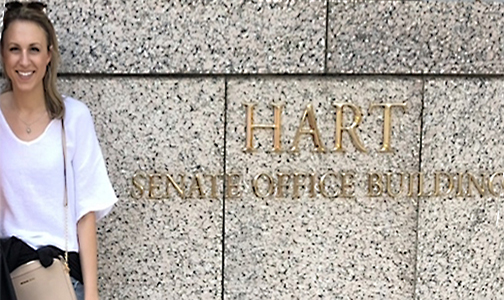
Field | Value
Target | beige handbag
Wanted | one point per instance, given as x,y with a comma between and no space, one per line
32,281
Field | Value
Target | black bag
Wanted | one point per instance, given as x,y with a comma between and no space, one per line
6,289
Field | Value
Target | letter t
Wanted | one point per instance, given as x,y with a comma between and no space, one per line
387,122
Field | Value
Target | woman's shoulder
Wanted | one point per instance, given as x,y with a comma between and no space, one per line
75,109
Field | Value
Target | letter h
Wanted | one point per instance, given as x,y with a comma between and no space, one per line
276,126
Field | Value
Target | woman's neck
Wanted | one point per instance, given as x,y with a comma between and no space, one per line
28,101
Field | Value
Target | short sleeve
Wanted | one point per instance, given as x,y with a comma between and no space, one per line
93,190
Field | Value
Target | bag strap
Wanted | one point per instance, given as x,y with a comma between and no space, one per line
65,196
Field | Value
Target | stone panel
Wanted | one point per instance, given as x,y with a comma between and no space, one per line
168,248
460,251
434,37
222,36
320,247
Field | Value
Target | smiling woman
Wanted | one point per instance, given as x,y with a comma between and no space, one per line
35,175
30,59
26,55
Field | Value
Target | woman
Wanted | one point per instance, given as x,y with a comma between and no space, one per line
32,182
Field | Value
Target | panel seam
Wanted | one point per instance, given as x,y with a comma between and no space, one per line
223,255
415,274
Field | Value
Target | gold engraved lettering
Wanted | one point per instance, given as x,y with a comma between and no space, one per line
387,122
196,185
213,186
330,185
389,184
338,146
411,185
491,187
154,186
137,179
480,186
437,184
233,185
323,190
309,114
281,184
375,185
296,184
255,185
460,189
347,185
313,192
180,190
502,184
421,184
276,126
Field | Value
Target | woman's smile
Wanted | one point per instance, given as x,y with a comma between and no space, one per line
25,74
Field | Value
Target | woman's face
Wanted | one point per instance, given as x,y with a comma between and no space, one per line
25,55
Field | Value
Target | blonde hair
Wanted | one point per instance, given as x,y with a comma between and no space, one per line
53,99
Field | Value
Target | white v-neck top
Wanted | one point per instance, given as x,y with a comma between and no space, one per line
32,180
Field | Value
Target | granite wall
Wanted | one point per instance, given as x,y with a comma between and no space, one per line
168,83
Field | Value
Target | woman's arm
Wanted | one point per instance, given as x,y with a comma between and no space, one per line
86,232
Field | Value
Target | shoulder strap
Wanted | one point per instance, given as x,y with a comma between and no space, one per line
65,196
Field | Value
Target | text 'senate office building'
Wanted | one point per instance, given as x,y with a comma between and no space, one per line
295,149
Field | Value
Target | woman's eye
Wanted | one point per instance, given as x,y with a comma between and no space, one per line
13,48
34,49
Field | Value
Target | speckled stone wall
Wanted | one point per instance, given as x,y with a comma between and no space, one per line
166,82
162,249
224,36
460,244
416,37
288,247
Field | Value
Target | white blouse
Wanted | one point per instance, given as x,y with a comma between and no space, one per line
32,180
